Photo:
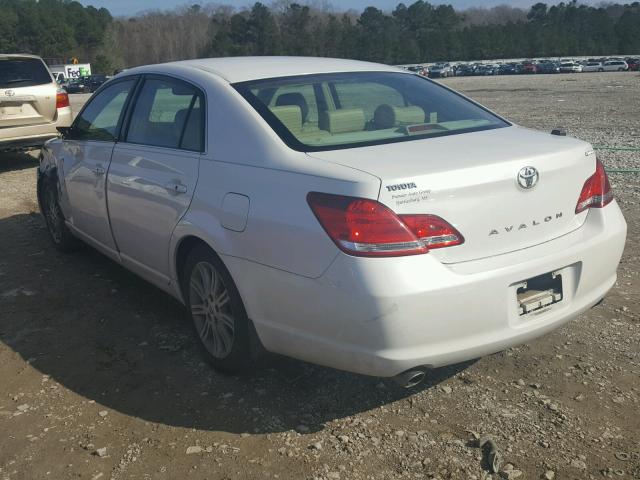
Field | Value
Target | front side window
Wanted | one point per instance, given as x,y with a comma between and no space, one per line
343,110
99,120
168,113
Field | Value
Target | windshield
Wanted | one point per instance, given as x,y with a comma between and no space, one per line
344,110
23,72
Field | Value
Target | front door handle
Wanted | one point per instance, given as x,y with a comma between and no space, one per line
99,171
176,187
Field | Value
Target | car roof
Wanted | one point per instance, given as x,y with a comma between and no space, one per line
19,55
241,69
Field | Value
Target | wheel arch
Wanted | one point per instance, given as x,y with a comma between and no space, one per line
183,247
46,176
48,171
186,244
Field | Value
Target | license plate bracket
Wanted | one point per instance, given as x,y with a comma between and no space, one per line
538,293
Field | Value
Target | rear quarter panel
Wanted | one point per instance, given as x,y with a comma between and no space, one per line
281,230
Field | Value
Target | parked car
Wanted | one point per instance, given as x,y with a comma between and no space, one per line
419,69
529,67
78,86
593,67
633,64
356,233
508,69
615,66
32,104
466,70
488,69
548,67
440,70
570,67
96,81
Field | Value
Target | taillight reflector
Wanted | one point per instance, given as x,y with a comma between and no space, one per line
367,228
596,192
433,231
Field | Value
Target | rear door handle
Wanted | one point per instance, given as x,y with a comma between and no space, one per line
175,187
99,171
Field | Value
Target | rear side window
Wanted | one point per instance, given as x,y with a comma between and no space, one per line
23,72
168,113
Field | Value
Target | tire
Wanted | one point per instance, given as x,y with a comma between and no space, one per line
59,233
217,313
601,69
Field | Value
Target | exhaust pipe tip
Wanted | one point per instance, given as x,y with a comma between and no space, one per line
410,378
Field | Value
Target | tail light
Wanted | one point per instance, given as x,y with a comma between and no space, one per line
367,228
596,192
62,99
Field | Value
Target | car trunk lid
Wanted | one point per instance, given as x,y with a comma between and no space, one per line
471,181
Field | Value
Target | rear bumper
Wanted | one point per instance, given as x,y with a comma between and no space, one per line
383,316
17,143
34,135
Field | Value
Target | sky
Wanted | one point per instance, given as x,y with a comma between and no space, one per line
128,7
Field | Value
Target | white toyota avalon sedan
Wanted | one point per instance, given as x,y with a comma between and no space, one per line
345,213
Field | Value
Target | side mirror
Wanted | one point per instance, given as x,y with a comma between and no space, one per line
64,131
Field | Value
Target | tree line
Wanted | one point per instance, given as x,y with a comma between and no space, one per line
415,33
52,28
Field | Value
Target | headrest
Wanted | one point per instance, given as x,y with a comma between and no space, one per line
290,116
343,120
294,98
386,116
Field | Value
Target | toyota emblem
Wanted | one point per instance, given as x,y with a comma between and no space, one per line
528,177
9,93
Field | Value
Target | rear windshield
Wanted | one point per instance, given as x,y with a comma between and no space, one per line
344,110
23,72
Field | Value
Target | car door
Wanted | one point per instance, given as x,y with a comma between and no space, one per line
154,171
85,156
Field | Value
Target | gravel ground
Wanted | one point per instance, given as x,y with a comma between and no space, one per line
100,377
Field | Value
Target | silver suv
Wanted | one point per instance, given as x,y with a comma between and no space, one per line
32,105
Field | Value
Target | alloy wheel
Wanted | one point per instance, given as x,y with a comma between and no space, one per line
211,310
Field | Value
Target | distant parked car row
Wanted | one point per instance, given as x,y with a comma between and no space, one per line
443,69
